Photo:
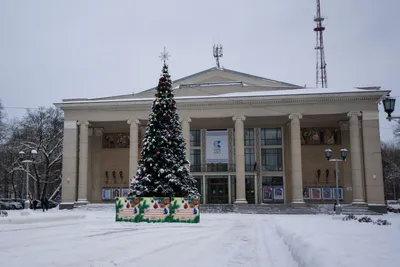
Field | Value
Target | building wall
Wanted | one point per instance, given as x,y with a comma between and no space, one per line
117,159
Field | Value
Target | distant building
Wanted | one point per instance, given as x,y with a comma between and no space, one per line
278,130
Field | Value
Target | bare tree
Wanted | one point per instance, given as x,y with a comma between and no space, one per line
42,130
396,131
2,123
391,169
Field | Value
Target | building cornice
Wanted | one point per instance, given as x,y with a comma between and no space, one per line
224,102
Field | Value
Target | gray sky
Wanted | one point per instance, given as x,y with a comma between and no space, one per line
50,50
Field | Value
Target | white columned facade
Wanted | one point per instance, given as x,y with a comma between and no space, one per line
355,154
83,161
240,171
295,145
133,146
373,160
186,135
69,165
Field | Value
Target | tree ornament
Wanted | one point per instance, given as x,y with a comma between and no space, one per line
158,153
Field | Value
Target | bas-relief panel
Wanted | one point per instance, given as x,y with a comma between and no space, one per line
116,140
320,136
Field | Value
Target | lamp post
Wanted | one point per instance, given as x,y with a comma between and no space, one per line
389,104
27,161
343,155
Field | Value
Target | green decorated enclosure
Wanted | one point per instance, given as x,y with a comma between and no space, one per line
157,209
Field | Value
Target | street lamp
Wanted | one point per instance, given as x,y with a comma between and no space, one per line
343,155
389,104
27,161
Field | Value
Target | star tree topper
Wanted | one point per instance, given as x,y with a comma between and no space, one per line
164,56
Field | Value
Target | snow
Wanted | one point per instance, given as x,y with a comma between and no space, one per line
94,239
270,93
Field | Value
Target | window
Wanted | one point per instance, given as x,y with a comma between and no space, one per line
249,159
249,149
195,138
249,137
271,136
271,159
195,160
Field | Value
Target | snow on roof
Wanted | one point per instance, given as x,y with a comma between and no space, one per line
303,91
272,93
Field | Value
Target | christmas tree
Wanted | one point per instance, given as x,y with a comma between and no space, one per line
163,170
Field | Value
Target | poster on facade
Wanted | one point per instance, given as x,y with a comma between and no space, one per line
316,193
185,210
278,193
128,210
125,192
155,209
326,193
116,192
268,193
340,193
306,193
106,193
217,149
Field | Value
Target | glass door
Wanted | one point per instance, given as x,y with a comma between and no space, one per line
217,191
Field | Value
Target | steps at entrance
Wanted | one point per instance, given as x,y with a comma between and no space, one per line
283,209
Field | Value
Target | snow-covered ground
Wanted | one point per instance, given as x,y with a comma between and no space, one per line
85,237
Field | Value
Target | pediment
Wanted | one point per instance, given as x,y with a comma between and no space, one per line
216,81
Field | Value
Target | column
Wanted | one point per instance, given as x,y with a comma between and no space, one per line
229,189
69,165
355,155
83,161
295,145
97,170
373,160
345,172
133,146
186,136
240,172
204,187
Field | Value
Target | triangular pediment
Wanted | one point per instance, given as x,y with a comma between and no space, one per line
215,81
221,81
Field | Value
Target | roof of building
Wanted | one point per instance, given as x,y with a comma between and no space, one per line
277,83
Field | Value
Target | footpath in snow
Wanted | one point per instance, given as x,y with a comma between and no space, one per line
92,238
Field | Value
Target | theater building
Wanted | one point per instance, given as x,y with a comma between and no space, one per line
249,140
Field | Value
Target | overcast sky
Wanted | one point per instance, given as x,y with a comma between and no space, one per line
50,50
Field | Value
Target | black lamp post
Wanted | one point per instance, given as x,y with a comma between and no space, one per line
31,159
343,155
389,104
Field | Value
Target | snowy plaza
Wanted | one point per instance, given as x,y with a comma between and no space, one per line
90,237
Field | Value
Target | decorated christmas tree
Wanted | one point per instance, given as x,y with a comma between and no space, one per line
163,168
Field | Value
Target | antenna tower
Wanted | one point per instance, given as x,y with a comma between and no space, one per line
319,48
217,50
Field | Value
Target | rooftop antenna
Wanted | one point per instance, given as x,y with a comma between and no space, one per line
217,50
321,78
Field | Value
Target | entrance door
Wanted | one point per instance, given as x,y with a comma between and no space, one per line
218,193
